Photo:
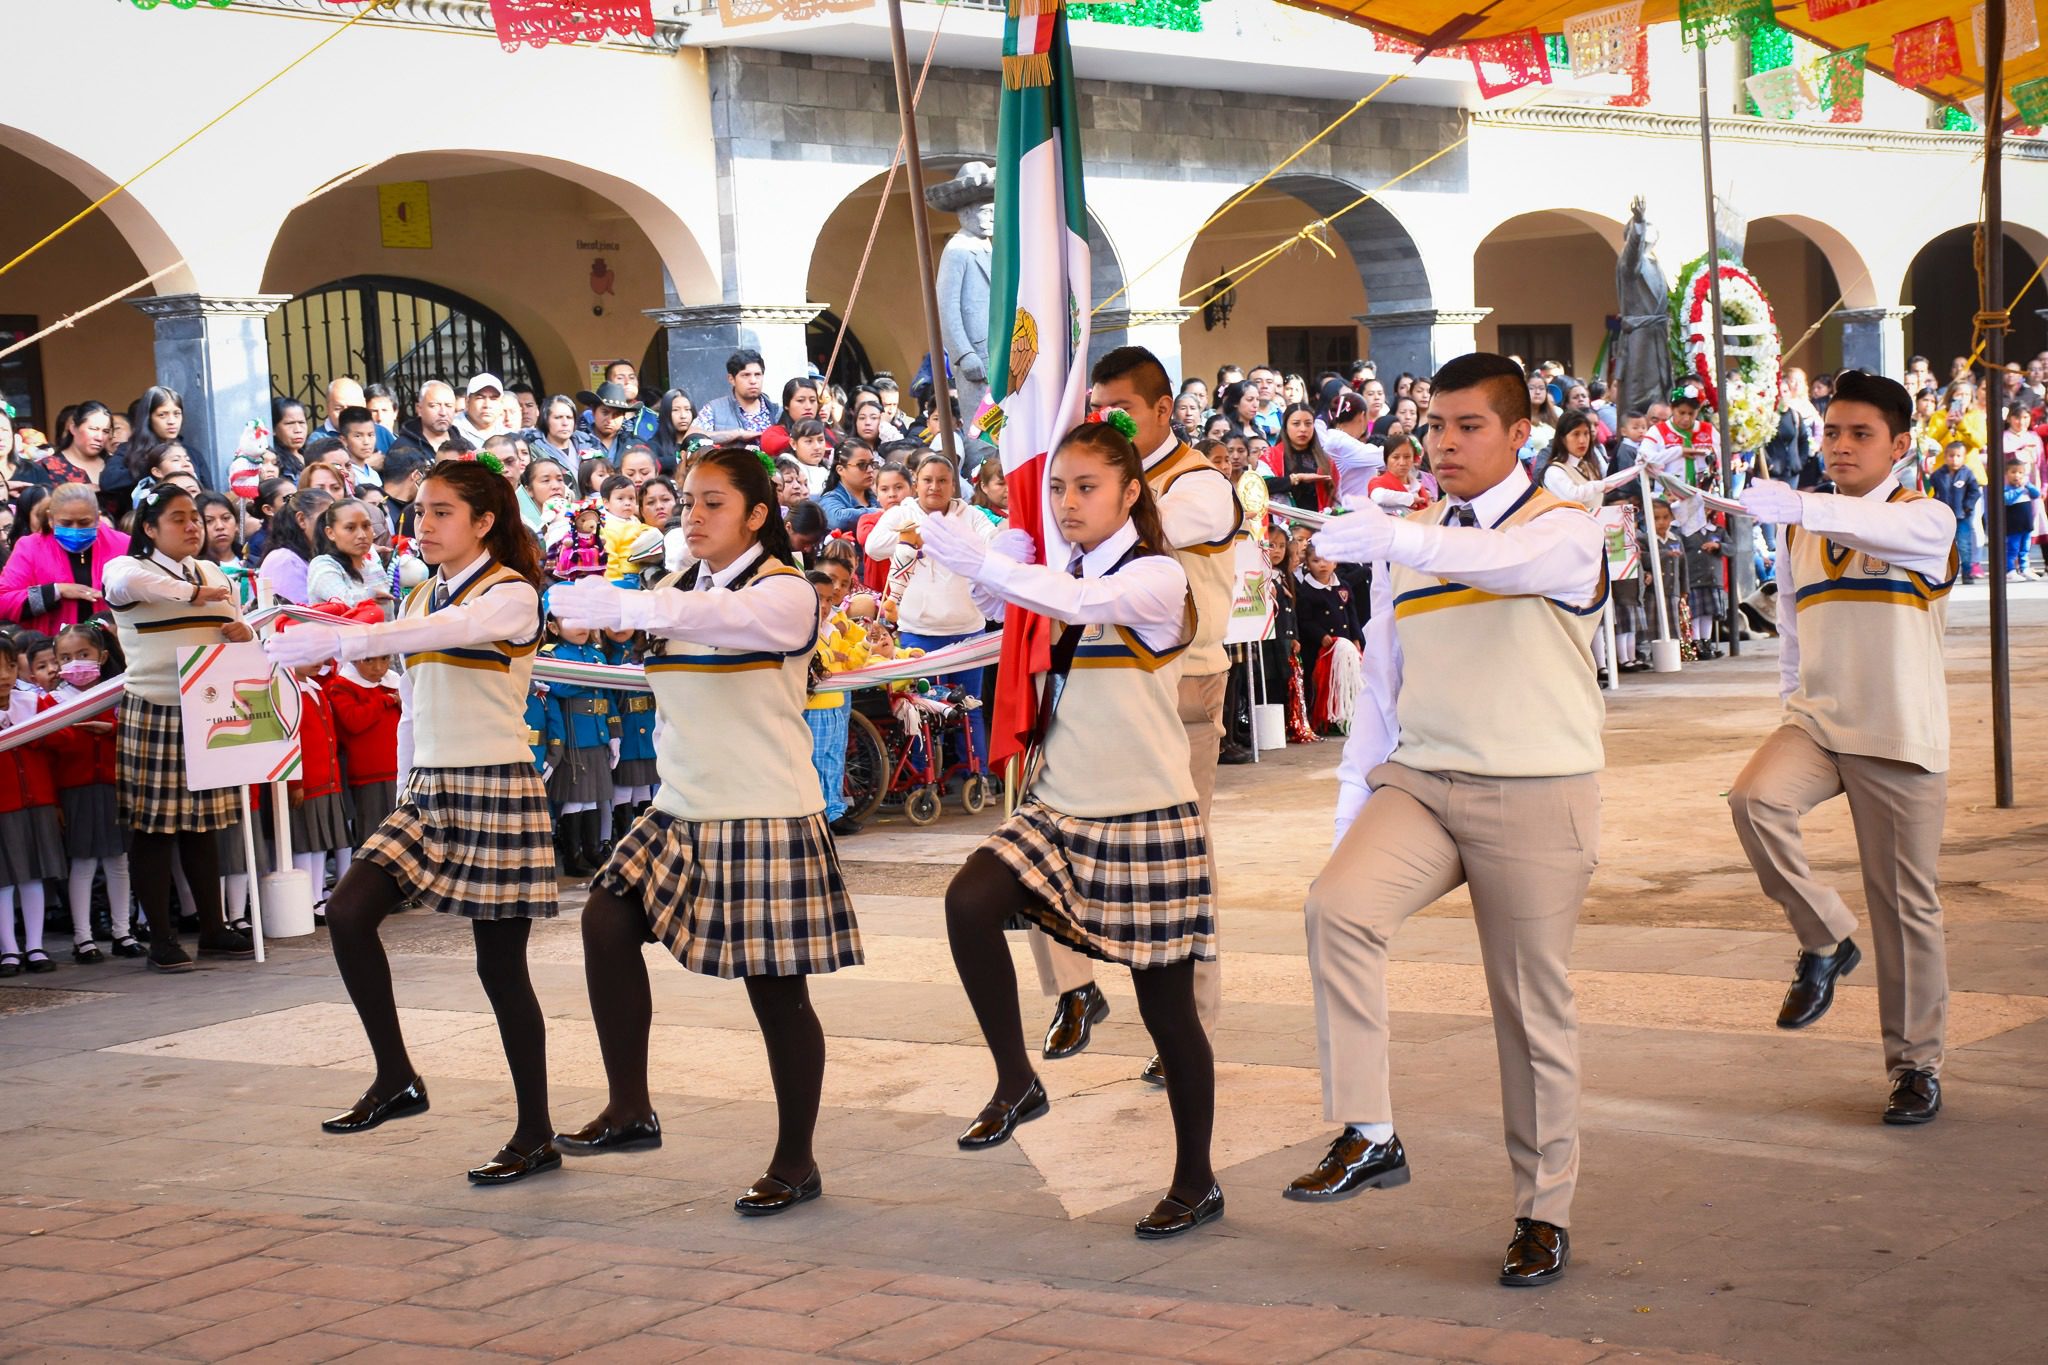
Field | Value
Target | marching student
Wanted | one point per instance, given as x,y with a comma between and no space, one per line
471,835
165,598
86,766
1106,853
733,870
1494,590
1863,580
1200,514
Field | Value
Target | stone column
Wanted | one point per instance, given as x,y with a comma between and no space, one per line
700,338
1156,329
213,350
1874,339
1418,340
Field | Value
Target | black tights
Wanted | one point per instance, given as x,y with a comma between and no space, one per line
614,928
358,906
983,896
150,858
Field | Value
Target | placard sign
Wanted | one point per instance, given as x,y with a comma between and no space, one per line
241,716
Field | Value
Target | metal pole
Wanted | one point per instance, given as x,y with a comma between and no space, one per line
1994,380
1732,621
942,389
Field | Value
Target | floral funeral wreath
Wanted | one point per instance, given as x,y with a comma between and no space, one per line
1751,344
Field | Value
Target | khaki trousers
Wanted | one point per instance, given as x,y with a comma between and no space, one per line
1897,810
1060,968
1526,847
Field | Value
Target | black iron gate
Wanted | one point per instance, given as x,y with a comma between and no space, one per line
384,329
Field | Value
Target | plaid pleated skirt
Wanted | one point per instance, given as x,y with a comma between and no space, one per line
733,898
475,842
150,786
31,846
1132,889
92,821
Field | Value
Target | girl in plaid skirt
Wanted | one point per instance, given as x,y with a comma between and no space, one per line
1106,854
733,870
470,835
165,598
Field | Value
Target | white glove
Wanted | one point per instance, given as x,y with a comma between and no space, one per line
615,753
309,643
1363,536
1773,501
589,604
953,545
1015,545
547,772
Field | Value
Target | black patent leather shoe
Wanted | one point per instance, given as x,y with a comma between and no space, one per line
1170,1217
511,1164
1351,1166
227,943
1916,1098
1538,1254
1813,984
369,1111
771,1194
1078,1011
997,1120
599,1136
1154,1072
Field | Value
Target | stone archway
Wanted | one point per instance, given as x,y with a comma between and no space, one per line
1941,292
1546,281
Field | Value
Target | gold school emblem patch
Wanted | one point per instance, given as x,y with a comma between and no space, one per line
1875,567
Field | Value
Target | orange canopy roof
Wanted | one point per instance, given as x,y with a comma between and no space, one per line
1873,24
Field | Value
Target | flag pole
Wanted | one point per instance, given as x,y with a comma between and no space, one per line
1993,325
1732,621
920,225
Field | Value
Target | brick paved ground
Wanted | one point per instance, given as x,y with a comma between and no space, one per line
89,1280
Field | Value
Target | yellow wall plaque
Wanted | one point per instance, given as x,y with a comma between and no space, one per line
403,217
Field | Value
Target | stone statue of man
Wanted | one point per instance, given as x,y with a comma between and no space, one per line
964,273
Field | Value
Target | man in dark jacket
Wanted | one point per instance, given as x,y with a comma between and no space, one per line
1955,485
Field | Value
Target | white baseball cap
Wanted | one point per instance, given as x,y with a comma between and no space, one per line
482,382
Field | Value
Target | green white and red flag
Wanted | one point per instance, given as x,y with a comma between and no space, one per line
1039,300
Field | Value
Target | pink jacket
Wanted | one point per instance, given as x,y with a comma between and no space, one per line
40,560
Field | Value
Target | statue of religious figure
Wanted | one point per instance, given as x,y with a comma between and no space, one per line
964,274
1645,344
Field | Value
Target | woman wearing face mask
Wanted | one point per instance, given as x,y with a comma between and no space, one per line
55,576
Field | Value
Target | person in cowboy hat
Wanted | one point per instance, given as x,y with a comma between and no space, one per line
611,409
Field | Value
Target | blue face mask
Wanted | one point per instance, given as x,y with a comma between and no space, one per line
76,538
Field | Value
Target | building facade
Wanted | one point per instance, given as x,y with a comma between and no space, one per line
411,200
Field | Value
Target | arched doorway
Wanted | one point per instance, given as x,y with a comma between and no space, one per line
1548,279
1941,286
1804,266
393,331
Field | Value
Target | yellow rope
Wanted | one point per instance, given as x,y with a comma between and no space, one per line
1251,189
96,204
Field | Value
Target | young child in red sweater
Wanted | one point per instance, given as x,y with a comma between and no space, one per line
87,655
31,837
319,821
364,695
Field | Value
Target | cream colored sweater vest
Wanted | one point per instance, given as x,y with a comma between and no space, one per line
1496,686
733,744
1870,664
152,633
469,704
1211,570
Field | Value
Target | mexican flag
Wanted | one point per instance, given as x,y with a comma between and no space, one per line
1039,300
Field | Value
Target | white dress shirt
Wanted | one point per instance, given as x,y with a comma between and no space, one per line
127,580
1195,511
1558,555
935,600
1148,595
779,614
1358,464
1916,534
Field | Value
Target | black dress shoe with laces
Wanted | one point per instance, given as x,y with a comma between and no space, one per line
1078,1011
369,1111
997,1120
599,1136
511,1164
1170,1217
772,1194
1916,1098
1537,1255
1813,984
1154,1072
1352,1165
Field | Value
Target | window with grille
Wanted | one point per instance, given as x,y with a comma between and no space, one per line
387,330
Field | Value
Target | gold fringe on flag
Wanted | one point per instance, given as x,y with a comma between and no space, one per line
1027,71
1028,9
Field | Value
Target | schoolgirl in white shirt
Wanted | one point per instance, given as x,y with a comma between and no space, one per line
1106,853
471,835
733,869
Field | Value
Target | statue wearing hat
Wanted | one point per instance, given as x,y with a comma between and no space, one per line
965,268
